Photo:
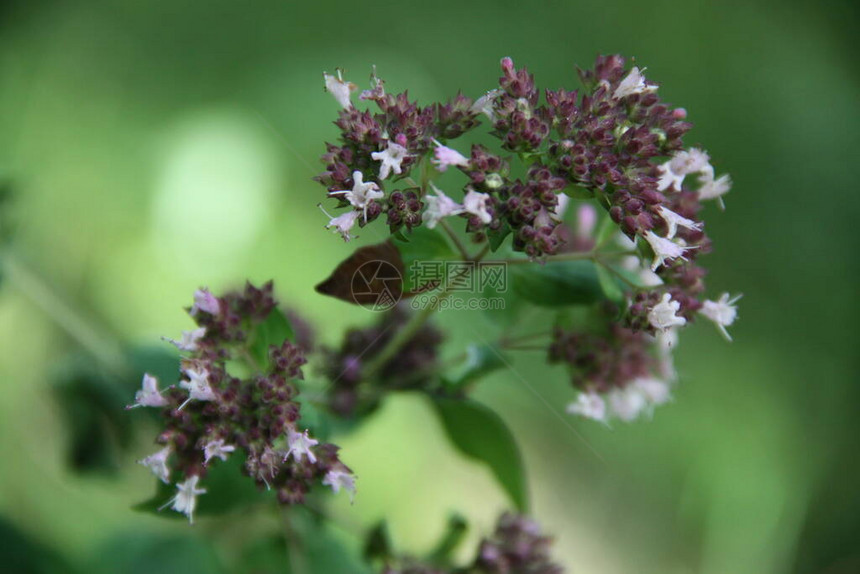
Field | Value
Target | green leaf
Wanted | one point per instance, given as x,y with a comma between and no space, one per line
481,359
610,284
481,434
272,332
227,489
138,552
423,245
377,545
454,535
557,283
21,553
496,238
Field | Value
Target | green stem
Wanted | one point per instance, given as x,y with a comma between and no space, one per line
295,552
82,330
404,335
456,240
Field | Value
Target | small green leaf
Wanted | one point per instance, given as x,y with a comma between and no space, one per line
423,245
481,359
377,546
557,283
496,238
272,332
481,434
454,535
609,284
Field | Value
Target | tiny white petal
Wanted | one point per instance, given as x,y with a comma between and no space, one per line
589,405
444,157
361,194
299,445
634,83
341,90
197,385
674,221
189,339
711,188
439,207
339,479
484,104
663,315
185,500
157,463
206,302
627,404
343,223
682,163
655,391
216,449
722,312
664,249
475,203
391,159
148,395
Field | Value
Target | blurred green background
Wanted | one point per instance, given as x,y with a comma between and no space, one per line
159,146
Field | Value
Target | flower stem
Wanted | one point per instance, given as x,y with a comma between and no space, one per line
295,552
80,328
404,335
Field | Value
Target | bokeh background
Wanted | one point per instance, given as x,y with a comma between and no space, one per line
159,146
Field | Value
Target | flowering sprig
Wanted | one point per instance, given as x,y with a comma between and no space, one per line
614,144
214,413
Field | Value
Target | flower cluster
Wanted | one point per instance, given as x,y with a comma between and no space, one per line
350,391
614,144
215,413
620,373
516,547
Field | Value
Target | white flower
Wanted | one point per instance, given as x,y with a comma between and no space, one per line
338,88
446,157
189,339
185,500
476,204
634,83
711,188
439,207
157,463
663,315
216,449
722,312
589,405
300,444
343,223
206,302
655,391
627,404
484,104
674,221
339,479
197,386
361,193
663,249
683,162
148,395
377,88
391,159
